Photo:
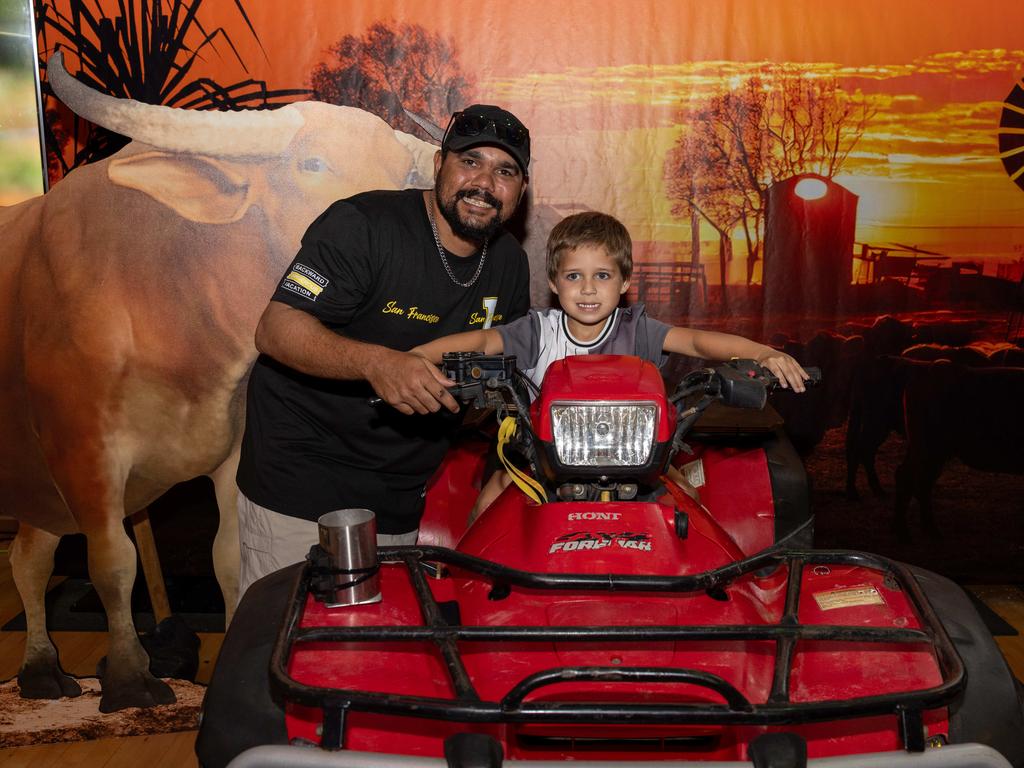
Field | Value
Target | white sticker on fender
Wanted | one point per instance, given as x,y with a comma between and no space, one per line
848,597
694,473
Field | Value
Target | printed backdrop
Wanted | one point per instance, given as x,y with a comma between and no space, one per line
841,177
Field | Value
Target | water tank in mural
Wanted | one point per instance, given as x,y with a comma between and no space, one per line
808,245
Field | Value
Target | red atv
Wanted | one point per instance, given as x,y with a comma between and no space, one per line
597,612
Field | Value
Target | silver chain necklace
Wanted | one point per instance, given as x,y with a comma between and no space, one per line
444,259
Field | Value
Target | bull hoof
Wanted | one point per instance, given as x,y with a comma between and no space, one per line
46,683
141,690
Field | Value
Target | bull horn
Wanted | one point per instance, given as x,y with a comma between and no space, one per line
247,133
433,130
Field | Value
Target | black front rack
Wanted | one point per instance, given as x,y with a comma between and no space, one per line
466,706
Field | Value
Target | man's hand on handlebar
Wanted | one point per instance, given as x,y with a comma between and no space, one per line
787,370
411,384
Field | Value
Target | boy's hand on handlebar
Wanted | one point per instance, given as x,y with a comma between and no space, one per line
411,384
787,370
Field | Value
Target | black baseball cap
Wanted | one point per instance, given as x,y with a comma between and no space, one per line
487,125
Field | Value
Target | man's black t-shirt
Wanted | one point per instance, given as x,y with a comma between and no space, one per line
368,268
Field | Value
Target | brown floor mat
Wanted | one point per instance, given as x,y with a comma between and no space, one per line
43,721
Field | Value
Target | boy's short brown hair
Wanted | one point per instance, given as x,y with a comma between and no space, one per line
590,228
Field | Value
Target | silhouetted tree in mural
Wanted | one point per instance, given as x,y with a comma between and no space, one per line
392,67
146,52
772,126
696,187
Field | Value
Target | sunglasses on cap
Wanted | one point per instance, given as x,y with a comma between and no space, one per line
462,124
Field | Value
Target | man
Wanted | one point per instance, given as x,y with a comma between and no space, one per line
376,275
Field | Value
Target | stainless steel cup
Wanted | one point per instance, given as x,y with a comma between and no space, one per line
349,536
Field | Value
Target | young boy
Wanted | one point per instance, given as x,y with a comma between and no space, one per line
589,263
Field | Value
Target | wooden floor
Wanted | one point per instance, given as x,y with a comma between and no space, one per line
79,654
80,651
1008,602
168,750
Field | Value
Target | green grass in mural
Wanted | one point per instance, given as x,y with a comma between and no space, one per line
20,166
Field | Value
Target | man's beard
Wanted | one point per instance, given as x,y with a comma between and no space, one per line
473,233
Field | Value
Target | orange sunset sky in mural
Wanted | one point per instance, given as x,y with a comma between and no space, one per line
601,83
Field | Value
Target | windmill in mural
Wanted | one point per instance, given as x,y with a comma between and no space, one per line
1011,152
1011,134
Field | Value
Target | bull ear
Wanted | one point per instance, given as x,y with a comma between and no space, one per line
196,188
421,171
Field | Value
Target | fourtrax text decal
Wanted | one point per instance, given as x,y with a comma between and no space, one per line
578,541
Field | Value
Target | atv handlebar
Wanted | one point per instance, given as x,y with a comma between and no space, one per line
479,378
738,383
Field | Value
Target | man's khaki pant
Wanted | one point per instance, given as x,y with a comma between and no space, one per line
271,541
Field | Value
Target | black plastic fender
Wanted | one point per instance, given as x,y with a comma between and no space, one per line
239,710
990,711
791,491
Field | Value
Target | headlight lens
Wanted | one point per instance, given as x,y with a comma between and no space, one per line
604,434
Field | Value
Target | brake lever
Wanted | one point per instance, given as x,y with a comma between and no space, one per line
474,373
373,402
692,383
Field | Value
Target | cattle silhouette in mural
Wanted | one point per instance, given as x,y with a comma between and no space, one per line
131,296
964,401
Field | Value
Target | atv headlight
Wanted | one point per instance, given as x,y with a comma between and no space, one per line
604,434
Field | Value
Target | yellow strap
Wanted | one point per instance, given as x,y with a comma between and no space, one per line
523,481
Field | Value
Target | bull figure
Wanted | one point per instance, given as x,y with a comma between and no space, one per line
131,295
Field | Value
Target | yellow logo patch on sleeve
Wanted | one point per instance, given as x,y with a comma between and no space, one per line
304,281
